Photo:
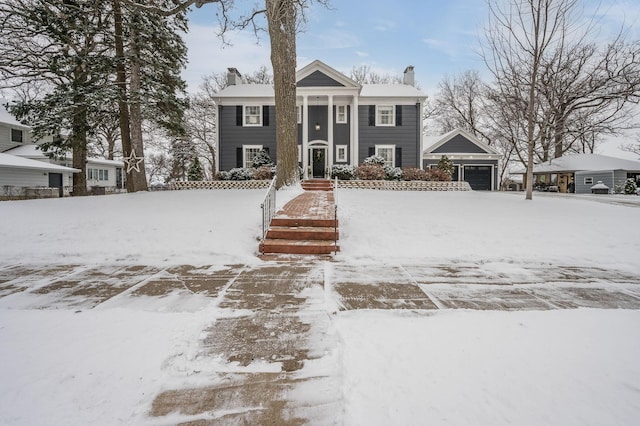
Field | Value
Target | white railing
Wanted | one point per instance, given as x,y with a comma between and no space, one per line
268,207
335,216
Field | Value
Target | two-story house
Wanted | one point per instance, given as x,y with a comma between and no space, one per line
339,121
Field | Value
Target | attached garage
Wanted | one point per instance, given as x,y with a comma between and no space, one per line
474,161
479,177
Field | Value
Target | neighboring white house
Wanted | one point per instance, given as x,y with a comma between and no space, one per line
16,175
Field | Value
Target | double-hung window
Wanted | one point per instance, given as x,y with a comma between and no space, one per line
385,115
252,115
341,114
249,152
341,153
299,113
16,135
388,152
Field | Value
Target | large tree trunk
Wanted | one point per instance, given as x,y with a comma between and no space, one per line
281,17
121,81
137,175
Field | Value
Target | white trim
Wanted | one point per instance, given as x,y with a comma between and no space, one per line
245,148
299,153
489,151
341,158
393,150
305,135
328,71
393,116
590,180
355,141
344,120
216,137
299,113
245,115
329,153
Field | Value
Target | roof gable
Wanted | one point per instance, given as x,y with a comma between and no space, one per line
319,74
458,141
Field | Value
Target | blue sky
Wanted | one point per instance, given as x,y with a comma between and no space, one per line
438,38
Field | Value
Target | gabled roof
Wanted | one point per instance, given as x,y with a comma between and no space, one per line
328,71
432,143
13,161
579,162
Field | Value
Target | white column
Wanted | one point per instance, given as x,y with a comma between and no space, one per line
305,133
355,131
421,129
330,131
216,141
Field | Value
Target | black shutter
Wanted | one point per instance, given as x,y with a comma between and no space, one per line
372,115
239,159
398,157
265,115
398,115
239,115
372,151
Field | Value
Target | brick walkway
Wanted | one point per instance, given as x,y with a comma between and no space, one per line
310,205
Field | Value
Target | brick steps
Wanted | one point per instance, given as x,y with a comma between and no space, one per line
306,225
298,247
302,233
317,185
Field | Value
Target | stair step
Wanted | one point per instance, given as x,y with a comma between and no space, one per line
296,222
302,233
298,247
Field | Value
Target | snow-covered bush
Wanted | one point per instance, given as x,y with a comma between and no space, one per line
262,173
438,175
222,175
240,174
392,173
446,165
412,173
630,187
261,159
374,159
370,172
343,172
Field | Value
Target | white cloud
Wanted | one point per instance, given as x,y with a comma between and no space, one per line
383,25
362,54
440,45
208,55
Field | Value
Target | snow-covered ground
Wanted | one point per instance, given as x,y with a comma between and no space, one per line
105,365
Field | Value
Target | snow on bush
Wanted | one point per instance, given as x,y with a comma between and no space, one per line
392,173
630,187
240,174
343,172
374,159
412,173
261,159
223,175
370,171
262,173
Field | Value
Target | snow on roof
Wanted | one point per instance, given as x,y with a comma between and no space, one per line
30,151
13,161
576,162
390,91
7,118
102,161
247,91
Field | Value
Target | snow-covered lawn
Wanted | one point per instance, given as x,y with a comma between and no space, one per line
105,365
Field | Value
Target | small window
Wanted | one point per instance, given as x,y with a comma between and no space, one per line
299,114
16,135
341,114
299,153
388,153
252,115
106,175
588,181
341,153
249,152
385,115
100,174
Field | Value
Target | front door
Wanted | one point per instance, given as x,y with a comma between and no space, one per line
318,162
55,181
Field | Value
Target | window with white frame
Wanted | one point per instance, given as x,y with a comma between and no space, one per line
385,115
299,113
341,114
248,154
588,181
341,153
299,153
98,174
388,152
252,115
16,135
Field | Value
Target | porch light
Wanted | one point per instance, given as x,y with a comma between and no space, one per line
317,126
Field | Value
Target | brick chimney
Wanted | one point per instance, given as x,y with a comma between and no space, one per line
233,77
409,76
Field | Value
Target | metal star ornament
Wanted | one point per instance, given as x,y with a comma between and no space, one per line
133,162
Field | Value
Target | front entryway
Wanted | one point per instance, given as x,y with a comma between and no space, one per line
318,160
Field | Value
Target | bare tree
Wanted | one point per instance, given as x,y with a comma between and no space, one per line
365,75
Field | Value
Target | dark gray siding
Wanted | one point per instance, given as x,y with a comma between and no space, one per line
605,176
318,79
234,136
404,136
318,114
342,134
459,144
